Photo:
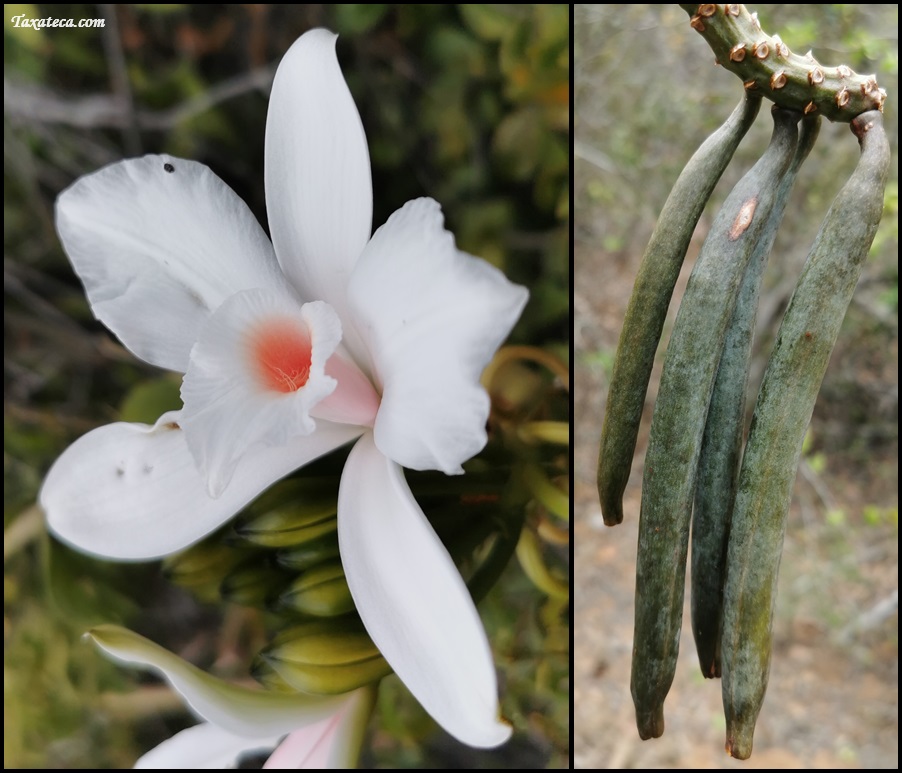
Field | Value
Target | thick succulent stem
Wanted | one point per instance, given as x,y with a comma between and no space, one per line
768,67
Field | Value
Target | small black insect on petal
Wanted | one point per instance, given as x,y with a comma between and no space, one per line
168,168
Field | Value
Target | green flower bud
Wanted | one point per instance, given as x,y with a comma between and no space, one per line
253,583
320,592
325,657
202,568
294,513
310,554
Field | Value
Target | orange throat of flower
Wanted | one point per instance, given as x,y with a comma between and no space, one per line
281,354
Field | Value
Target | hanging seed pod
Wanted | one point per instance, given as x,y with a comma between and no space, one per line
678,423
782,413
648,304
718,465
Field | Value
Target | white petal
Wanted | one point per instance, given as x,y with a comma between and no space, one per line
413,601
202,747
319,195
256,372
132,491
158,251
254,714
334,743
432,317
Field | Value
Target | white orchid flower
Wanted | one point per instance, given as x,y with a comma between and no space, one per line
290,350
323,732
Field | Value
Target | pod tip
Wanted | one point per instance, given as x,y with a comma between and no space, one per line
650,723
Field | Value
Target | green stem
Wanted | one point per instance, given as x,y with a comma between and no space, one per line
768,67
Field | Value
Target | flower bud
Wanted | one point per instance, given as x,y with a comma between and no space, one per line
325,657
320,592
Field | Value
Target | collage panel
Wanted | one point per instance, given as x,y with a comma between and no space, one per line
648,97
287,407
345,342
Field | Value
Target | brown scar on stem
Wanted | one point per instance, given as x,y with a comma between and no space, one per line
743,219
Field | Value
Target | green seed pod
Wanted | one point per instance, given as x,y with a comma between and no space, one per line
782,413
718,465
326,657
678,424
320,592
648,304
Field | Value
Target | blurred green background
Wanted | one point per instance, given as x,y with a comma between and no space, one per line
468,104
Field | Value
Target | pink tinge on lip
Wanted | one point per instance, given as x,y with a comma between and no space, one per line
354,401
281,353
